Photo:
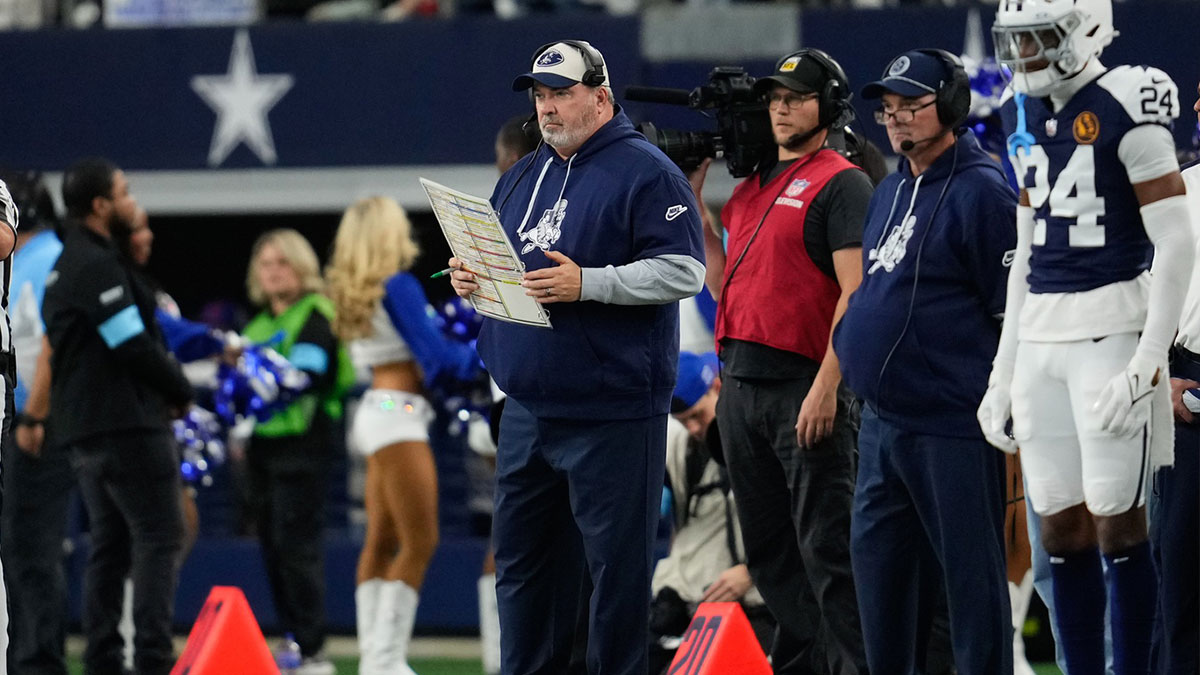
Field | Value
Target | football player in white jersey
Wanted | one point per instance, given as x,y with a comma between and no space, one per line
1082,363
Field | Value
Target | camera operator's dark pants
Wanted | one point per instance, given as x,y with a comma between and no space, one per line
1175,541
130,485
570,491
33,524
794,507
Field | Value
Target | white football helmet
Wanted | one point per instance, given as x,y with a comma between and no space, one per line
1044,42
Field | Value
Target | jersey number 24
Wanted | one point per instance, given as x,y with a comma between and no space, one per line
1072,196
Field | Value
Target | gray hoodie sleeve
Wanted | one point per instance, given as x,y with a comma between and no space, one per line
651,281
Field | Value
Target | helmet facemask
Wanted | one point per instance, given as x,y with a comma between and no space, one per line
1040,55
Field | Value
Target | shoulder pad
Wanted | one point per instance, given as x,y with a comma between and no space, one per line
1005,96
1147,94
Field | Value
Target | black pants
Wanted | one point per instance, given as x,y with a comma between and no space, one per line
794,507
1175,542
130,486
33,524
288,500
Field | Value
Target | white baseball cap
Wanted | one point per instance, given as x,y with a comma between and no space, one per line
563,64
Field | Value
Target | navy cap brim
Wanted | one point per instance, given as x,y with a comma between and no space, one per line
551,80
894,85
771,81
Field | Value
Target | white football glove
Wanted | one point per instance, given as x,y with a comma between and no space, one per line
1124,403
996,409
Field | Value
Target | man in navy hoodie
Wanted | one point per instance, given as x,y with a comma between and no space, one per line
915,345
610,237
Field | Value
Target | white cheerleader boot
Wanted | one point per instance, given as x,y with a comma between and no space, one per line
366,607
489,625
394,626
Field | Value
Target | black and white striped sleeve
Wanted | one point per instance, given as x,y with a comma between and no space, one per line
8,208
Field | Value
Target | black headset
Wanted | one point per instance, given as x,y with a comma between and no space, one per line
835,109
594,75
953,97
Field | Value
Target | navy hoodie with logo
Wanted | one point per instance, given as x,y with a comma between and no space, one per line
919,335
618,199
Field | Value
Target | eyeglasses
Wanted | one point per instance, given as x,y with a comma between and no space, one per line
902,116
790,101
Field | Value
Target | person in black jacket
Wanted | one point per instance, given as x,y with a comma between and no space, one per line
114,389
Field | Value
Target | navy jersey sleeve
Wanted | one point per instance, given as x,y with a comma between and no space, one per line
988,240
107,299
315,351
440,359
666,219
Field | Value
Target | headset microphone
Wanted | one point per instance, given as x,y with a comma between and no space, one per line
908,144
530,128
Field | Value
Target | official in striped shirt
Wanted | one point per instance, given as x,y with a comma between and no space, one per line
8,243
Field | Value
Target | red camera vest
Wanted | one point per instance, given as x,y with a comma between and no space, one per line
777,296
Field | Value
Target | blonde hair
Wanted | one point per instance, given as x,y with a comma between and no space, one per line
374,241
299,255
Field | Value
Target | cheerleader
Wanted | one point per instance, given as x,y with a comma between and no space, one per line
382,313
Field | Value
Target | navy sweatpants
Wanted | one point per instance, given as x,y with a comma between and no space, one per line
928,510
570,493
1175,541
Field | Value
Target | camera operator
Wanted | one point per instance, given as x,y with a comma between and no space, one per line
795,242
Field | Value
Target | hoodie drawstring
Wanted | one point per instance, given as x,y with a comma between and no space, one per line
570,161
533,198
538,186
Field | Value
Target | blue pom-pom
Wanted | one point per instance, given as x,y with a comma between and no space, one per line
261,384
199,436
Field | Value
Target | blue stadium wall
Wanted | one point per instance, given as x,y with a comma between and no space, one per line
368,99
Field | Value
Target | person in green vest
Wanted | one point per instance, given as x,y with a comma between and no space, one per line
288,455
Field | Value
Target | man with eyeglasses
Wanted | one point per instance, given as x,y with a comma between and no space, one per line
915,345
786,421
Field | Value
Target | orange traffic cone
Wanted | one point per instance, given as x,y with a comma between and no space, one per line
226,639
719,641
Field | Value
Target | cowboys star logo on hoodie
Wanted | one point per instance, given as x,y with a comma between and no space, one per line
547,231
892,251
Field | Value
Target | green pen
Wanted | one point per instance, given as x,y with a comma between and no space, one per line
448,270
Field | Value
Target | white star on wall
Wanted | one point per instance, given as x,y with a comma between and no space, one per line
241,98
